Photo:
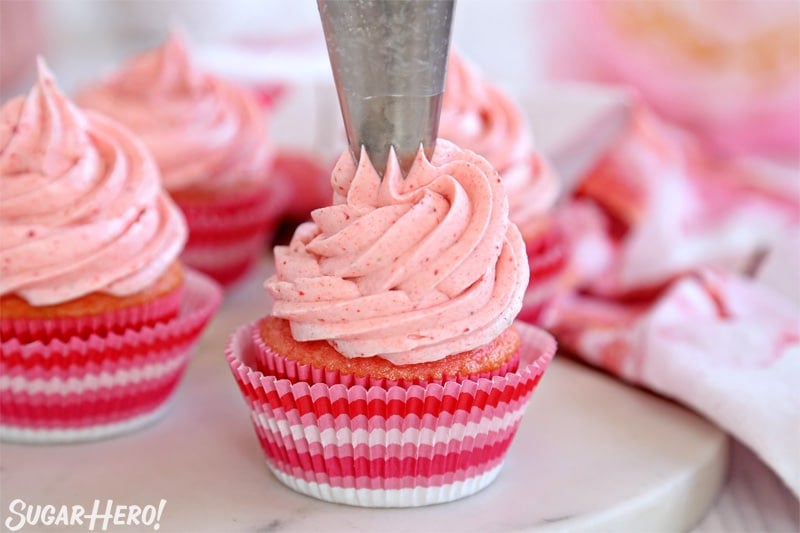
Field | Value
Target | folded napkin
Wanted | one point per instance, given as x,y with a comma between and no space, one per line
677,304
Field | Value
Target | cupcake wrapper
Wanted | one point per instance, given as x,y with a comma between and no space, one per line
388,446
410,497
104,385
547,255
226,238
24,435
274,364
307,180
27,330
226,264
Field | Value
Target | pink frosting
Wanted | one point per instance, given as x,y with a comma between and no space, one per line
81,208
205,132
479,116
411,270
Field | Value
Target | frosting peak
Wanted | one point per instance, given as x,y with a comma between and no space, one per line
167,70
480,117
411,270
477,114
81,208
205,132
33,127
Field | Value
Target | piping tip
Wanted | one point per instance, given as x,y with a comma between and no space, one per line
389,59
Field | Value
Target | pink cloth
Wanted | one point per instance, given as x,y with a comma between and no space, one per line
729,70
674,309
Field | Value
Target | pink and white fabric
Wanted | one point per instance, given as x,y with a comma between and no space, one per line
729,71
674,308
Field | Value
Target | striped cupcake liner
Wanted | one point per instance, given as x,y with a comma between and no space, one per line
226,263
307,180
387,446
226,238
29,435
103,385
150,313
548,258
548,254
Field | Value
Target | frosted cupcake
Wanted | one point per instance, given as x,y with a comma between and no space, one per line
97,314
479,116
391,372
209,139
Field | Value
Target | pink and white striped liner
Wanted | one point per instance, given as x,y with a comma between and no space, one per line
227,263
226,238
149,313
388,446
103,385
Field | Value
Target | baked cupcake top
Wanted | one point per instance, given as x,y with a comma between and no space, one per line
480,117
206,133
81,205
410,270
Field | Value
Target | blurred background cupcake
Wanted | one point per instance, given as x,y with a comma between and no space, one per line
97,313
479,116
209,139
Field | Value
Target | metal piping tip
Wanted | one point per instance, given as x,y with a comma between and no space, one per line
389,59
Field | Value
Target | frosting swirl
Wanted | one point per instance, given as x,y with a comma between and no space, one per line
81,208
205,132
411,270
480,117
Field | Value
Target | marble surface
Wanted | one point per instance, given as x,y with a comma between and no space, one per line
753,499
591,454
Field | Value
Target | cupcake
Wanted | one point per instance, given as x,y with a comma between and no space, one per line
209,139
97,314
479,116
390,372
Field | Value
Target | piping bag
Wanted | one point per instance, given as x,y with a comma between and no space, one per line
389,59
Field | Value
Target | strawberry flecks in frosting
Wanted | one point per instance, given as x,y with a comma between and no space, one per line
81,208
205,132
480,117
410,270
